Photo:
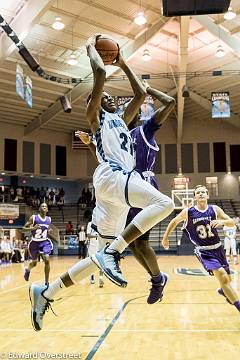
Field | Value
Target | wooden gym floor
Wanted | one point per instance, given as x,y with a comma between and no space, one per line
191,323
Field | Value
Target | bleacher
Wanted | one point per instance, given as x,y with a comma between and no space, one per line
69,212
73,213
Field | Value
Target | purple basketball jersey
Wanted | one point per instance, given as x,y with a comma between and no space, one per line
146,150
41,234
198,227
200,232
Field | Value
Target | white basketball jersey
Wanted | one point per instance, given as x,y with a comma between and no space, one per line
230,231
114,142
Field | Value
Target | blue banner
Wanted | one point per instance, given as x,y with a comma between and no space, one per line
72,241
28,91
19,81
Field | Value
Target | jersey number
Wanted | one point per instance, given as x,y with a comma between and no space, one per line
124,144
41,234
204,231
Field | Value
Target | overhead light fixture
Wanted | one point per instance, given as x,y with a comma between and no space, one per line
72,60
220,51
185,91
58,24
140,19
230,14
3,173
146,55
58,178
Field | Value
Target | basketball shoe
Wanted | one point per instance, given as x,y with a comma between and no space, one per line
26,274
40,304
220,292
108,262
156,291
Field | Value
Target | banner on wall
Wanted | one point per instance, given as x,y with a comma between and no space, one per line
28,91
19,81
221,105
9,211
72,241
146,111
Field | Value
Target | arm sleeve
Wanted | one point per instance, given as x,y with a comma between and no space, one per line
150,127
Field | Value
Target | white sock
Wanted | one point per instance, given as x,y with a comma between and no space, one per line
77,272
56,286
119,244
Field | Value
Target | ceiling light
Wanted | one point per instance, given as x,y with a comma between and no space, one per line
220,51
140,19
58,178
230,14
72,60
146,55
58,24
3,173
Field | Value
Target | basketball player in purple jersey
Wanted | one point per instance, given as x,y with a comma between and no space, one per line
146,148
40,243
200,223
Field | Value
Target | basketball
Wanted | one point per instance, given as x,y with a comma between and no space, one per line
107,48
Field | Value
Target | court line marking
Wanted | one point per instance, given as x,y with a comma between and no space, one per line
101,339
19,287
94,333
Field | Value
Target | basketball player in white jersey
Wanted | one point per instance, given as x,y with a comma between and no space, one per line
230,233
117,187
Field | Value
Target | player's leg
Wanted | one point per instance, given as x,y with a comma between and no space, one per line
138,253
156,206
92,248
46,267
42,296
138,247
33,249
46,249
145,254
227,246
234,251
225,283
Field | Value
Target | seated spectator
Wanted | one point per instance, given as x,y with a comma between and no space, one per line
16,256
69,228
6,250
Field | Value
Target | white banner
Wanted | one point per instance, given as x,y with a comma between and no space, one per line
9,211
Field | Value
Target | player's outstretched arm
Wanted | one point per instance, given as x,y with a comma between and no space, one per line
99,74
182,216
222,218
137,87
167,101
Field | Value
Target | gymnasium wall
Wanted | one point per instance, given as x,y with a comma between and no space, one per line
80,163
76,160
208,132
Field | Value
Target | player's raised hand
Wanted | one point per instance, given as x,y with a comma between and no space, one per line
120,62
165,243
83,136
216,223
92,40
